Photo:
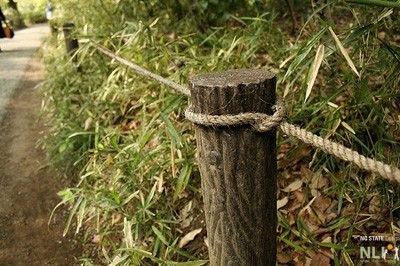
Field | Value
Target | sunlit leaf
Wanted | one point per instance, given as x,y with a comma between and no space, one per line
344,52
317,63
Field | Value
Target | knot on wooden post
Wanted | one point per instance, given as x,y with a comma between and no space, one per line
237,164
259,121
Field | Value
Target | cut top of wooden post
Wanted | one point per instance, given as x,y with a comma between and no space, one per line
233,92
68,26
237,167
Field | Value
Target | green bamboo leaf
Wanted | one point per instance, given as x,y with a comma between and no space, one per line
166,51
62,147
115,195
175,104
114,141
311,17
182,179
66,195
160,235
290,243
336,259
330,245
341,221
104,251
71,215
58,205
303,52
120,261
310,236
164,221
162,238
143,253
330,98
151,194
358,33
81,133
129,198
299,228
171,129
81,215
82,53
285,223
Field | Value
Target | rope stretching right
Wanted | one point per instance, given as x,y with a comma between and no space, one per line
389,172
263,123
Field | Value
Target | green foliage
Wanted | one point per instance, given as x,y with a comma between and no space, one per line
34,15
33,11
29,12
124,140
123,137
356,111
218,11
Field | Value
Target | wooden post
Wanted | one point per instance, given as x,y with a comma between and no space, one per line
237,167
70,43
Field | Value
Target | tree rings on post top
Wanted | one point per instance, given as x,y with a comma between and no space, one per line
232,78
233,92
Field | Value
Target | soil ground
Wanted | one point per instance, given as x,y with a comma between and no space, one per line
28,188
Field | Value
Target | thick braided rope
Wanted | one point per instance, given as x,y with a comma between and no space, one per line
263,123
260,122
340,151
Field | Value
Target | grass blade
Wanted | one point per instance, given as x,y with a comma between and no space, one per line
290,243
182,180
171,129
162,238
71,215
144,254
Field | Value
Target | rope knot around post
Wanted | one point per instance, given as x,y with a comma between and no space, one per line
221,102
259,121
237,165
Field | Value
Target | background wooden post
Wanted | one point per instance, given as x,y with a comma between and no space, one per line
237,167
70,43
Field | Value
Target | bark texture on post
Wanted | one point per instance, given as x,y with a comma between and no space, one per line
71,44
237,167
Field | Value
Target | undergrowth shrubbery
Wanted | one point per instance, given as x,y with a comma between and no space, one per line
124,141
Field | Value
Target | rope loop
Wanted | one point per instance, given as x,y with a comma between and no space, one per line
264,123
259,121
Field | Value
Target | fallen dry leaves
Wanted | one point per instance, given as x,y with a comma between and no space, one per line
189,237
314,218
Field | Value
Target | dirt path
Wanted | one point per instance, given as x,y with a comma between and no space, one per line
28,190
14,59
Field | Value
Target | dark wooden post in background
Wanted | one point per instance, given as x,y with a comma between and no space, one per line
237,167
70,43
